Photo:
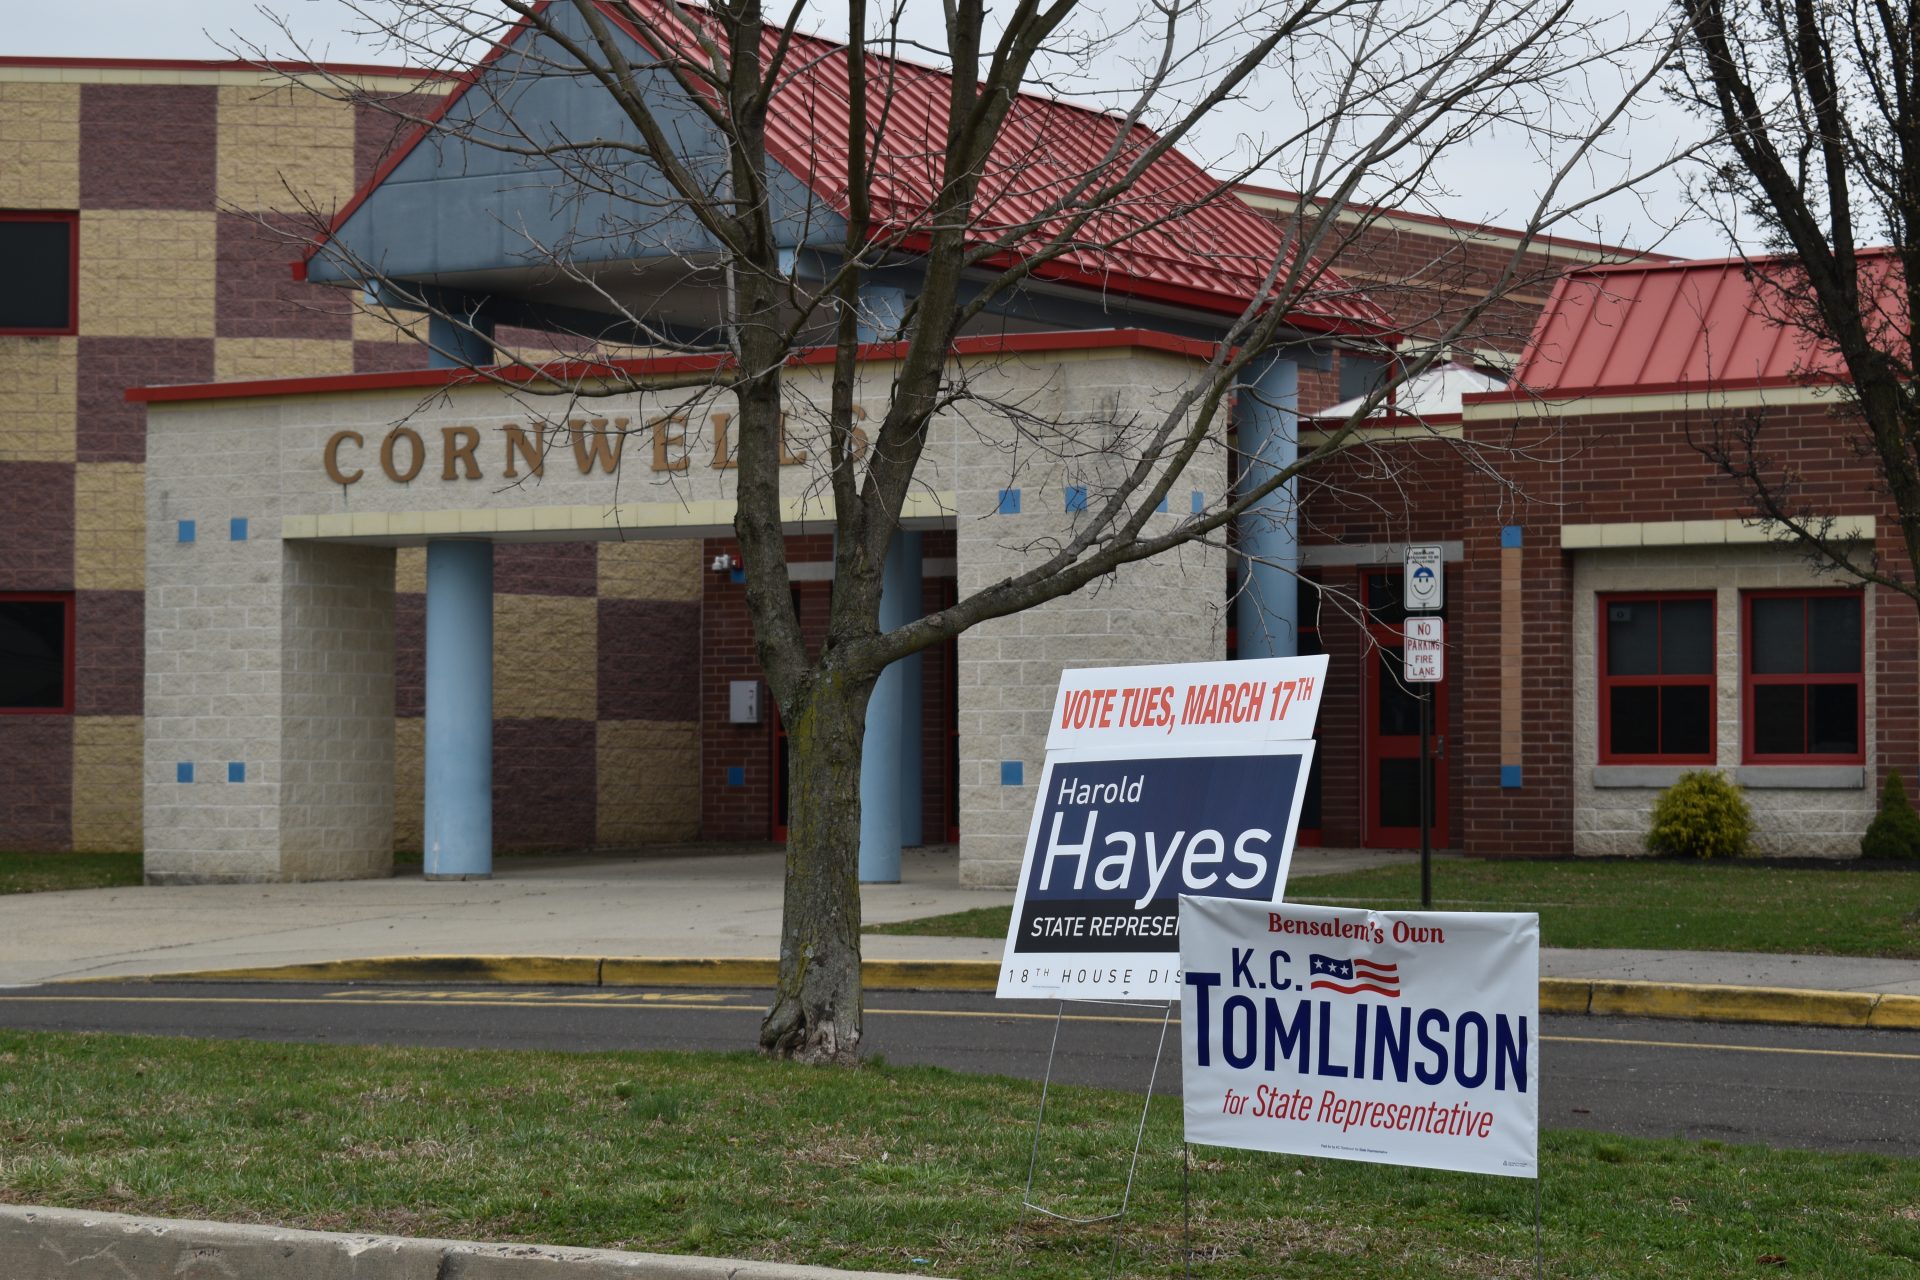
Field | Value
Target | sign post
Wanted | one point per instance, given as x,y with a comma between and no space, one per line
1424,653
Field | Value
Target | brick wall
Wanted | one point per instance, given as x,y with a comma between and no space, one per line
1628,469
184,240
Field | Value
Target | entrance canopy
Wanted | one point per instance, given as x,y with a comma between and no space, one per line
463,216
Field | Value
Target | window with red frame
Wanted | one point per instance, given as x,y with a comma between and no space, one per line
36,653
1805,696
39,255
1656,679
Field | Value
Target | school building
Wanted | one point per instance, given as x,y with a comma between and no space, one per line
214,588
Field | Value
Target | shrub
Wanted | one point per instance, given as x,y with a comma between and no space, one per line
1703,815
1895,830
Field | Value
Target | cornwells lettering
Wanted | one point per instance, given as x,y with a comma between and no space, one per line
593,445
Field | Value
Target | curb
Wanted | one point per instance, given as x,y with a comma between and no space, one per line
65,1244
590,971
1696,1002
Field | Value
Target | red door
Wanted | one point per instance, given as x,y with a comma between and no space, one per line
1390,786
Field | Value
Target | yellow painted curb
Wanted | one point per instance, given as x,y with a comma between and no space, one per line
1698,1002
1705,1002
1565,995
1896,1013
930,975
636,971
513,971
875,975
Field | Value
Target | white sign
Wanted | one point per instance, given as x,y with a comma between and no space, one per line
1424,586
1159,781
1260,700
1406,1038
1424,650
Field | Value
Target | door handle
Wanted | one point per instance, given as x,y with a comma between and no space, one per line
1440,747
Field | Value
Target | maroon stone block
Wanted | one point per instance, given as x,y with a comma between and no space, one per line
36,526
649,654
109,652
382,126
36,799
409,653
257,296
545,784
545,569
370,356
148,146
110,428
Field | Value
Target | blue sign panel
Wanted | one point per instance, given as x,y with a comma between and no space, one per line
1116,841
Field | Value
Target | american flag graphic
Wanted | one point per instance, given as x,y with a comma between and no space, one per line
1355,976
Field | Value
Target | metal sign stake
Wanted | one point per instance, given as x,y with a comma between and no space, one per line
1426,800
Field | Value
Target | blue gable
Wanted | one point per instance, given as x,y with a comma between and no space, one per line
453,206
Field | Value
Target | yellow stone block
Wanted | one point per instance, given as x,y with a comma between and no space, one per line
38,381
409,783
146,273
651,569
39,146
382,324
284,149
545,657
106,784
410,569
243,359
649,782
109,526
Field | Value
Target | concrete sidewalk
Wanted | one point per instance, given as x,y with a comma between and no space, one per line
709,905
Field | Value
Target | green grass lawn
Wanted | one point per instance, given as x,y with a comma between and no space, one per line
907,1169
47,872
1692,906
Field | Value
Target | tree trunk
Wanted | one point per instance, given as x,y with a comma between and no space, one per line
817,1009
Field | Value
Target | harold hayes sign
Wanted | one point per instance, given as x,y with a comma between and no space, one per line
1159,781
1394,1037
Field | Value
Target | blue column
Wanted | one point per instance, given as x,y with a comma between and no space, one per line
882,307
459,808
890,758
451,346
1269,603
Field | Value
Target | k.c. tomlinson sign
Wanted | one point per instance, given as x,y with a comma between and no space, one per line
592,444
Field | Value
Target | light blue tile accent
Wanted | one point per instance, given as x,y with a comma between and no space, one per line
1509,536
736,775
1076,498
1509,775
1009,502
187,531
1012,773
1199,502
1162,508
183,772
236,771
237,529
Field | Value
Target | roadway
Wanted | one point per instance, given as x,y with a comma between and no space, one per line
1804,1087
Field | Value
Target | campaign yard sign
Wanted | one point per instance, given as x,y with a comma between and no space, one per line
1159,781
1407,1038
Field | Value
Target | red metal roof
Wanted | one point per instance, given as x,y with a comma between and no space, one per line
1683,324
1177,235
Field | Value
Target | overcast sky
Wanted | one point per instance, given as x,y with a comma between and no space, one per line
1484,181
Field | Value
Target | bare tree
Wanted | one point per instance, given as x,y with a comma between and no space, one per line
966,184
1819,108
